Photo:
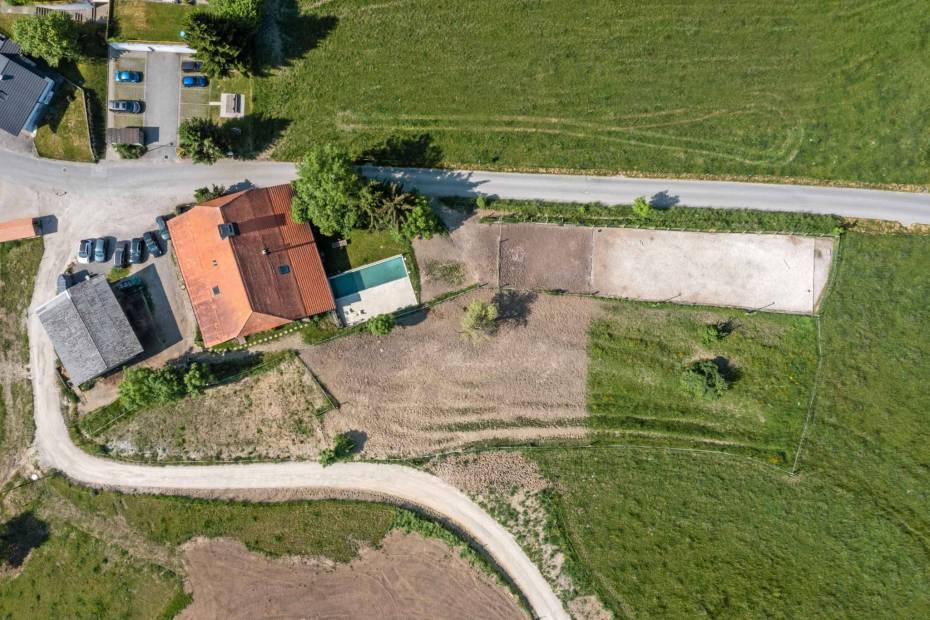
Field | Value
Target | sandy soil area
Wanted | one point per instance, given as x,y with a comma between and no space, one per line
422,389
408,577
269,414
535,256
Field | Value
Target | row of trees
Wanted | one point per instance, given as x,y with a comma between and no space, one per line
331,193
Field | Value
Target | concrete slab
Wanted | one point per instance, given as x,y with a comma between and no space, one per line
773,272
370,302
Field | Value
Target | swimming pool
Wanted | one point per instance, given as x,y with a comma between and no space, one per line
368,276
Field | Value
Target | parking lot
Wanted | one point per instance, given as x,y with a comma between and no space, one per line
166,102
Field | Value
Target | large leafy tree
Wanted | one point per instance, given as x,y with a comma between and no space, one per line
327,191
52,37
224,44
202,140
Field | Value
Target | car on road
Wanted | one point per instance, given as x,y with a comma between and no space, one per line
64,281
195,81
126,106
120,258
100,250
151,242
86,251
191,66
133,77
136,250
163,231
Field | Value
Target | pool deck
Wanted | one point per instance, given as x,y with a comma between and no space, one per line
370,302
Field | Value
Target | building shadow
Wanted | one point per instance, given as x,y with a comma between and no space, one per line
46,225
418,150
143,298
251,135
21,535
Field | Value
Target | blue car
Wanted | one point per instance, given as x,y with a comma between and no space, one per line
127,76
194,81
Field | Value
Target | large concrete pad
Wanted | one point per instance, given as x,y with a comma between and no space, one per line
776,272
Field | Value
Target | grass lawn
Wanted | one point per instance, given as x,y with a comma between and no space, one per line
639,359
678,218
675,534
139,20
64,133
74,575
364,246
749,88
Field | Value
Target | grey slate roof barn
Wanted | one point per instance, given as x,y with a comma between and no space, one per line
89,330
24,92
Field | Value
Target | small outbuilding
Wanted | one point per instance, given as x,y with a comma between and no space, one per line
126,135
23,228
89,330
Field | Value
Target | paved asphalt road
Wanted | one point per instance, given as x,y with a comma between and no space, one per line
122,197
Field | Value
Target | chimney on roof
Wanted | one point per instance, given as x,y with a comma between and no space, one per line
228,230
265,251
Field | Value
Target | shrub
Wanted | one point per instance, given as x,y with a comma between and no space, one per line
198,378
480,320
144,387
642,208
205,194
131,151
451,273
327,191
481,202
705,379
341,450
421,220
202,140
52,37
382,324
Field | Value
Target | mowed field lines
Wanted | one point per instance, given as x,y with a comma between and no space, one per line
704,87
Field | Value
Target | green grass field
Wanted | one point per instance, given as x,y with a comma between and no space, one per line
64,134
747,88
139,20
638,359
674,533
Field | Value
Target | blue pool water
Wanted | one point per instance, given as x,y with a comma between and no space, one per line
352,282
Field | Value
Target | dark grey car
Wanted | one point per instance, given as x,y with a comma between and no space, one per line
151,242
163,231
120,255
136,250
127,106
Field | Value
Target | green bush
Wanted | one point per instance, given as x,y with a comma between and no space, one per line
480,320
144,387
704,379
421,220
205,194
341,450
131,151
198,378
381,325
202,140
642,208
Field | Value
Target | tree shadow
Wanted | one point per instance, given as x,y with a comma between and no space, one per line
286,34
418,151
514,307
727,370
253,134
359,439
663,200
21,535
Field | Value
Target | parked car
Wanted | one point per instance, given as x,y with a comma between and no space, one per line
100,250
191,66
64,281
86,251
151,242
127,76
136,250
127,106
195,81
163,231
119,256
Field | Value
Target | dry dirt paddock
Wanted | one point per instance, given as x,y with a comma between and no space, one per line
777,272
422,388
407,577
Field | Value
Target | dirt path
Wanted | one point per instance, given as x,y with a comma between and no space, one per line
408,577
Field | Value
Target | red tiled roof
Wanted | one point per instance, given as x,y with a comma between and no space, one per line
17,229
236,285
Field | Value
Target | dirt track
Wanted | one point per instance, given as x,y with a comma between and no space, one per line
408,577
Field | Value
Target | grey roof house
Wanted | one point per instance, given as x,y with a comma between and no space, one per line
24,92
89,330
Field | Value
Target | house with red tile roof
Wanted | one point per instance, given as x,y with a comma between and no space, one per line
247,265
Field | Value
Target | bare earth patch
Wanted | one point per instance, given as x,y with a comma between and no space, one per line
407,577
422,389
270,414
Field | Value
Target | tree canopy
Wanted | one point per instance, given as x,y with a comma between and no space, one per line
52,37
326,191
224,44
144,387
202,140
